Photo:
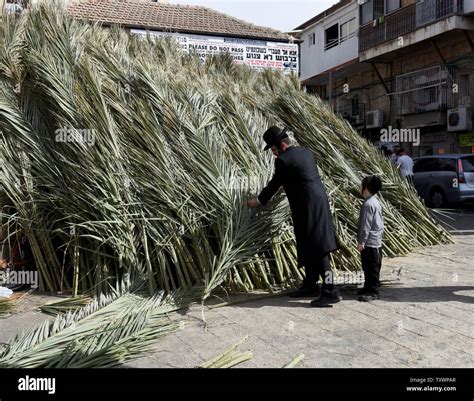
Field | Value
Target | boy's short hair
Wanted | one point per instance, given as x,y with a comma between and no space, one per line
372,183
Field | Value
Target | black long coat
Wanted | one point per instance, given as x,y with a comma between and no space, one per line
297,172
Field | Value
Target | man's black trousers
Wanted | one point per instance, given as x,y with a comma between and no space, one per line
316,270
371,264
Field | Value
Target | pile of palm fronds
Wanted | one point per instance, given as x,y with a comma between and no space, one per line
6,307
110,330
123,156
65,305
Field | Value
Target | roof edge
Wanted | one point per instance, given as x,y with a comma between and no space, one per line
325,13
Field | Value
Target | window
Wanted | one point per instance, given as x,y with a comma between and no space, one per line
312,39
331,37
366,12
392,5
379,8
355,106
424,165
321,91
468,164
348,29
446,165
464,85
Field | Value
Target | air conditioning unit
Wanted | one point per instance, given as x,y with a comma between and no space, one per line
459,119
374,119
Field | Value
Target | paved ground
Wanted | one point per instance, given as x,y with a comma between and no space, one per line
424,319
25,316
457,221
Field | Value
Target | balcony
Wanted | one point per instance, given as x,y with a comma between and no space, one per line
406,20
425,90
337,41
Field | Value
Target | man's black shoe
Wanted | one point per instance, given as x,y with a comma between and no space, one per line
327,298
304,292
362,291
368,297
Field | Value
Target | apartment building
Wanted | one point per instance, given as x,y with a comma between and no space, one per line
407,67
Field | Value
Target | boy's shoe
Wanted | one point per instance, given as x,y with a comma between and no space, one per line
368,297
327,298
305,291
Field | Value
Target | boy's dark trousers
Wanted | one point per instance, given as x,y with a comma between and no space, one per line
371,264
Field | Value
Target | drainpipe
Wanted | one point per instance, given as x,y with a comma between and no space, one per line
330,88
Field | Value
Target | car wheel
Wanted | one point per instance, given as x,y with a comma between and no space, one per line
437,198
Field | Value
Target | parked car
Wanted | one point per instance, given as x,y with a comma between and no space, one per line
444,179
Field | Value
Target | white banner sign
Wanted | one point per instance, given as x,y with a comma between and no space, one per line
254,53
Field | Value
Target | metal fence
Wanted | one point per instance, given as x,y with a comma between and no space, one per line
425,90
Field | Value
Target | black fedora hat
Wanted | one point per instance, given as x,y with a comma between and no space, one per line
273,135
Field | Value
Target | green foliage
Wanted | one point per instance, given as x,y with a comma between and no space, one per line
159,192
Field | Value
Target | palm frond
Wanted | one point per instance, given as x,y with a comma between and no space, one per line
161,153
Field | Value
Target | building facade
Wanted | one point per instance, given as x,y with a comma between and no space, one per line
408,75
198,29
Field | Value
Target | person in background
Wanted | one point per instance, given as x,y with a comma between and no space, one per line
394,155
369,238
297,172
405,164
386,152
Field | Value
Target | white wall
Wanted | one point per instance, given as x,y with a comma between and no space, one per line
314,59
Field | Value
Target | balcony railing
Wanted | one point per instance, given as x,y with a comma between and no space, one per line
336,42
425,90
406,20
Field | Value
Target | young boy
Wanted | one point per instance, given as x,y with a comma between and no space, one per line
369,238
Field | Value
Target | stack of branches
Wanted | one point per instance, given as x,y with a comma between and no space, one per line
6,307
123,157
109,331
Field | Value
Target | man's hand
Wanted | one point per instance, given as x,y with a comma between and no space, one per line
253,203
360,247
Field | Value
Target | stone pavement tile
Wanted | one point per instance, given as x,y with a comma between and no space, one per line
460,296
19,322
434,314
337,331
452,295
442,273
432,352
416,343
404,325
360,333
